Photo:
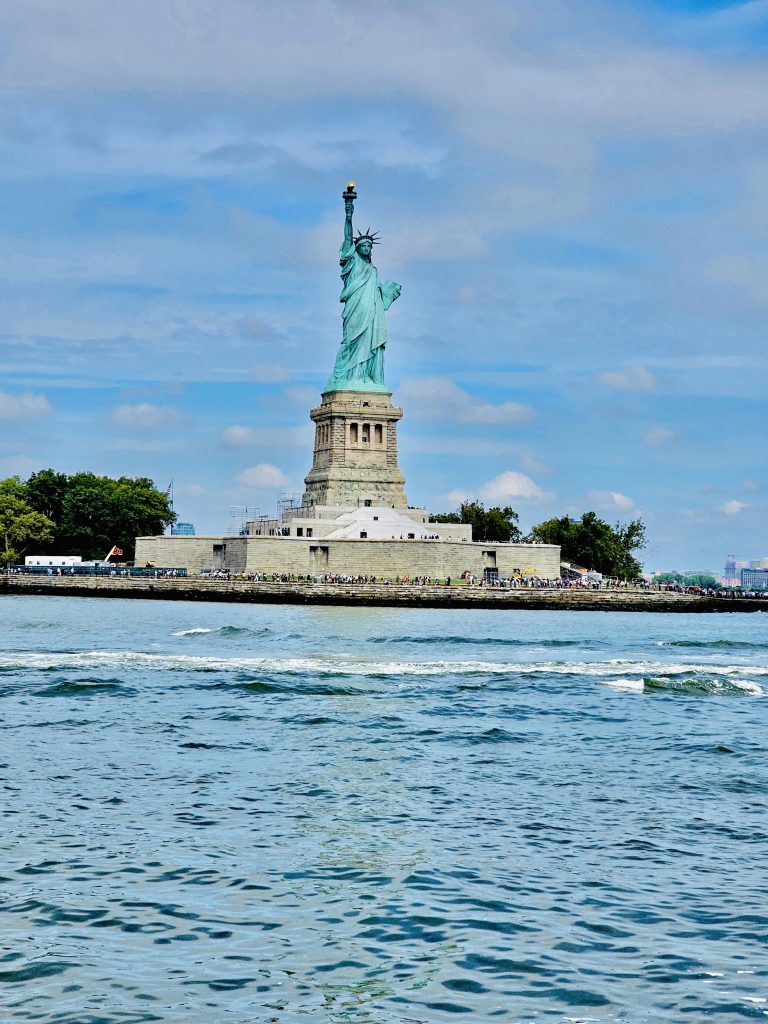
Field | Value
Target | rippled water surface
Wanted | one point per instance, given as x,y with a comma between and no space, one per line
237,814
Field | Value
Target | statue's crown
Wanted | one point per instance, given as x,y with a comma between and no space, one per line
372,236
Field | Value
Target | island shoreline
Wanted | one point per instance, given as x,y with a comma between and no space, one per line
373,594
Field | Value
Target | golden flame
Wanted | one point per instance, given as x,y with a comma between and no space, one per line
350,185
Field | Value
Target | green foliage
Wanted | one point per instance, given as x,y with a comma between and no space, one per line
592,544
92,513
446,517
668,577
701,579
12,485
695,579
495,524
20,524
46,491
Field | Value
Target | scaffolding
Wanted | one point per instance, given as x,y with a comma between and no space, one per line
287,502
239,515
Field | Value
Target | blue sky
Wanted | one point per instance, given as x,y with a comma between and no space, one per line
573,196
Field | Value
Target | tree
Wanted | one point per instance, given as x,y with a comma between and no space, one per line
702,579
46,491
87,515
495,524
20,525
695,579
669,577
590,542
12,485
98,512
92,513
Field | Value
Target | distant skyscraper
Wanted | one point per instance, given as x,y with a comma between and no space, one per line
730,577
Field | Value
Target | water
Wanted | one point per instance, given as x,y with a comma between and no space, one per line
239,814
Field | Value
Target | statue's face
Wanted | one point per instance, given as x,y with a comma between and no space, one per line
365,247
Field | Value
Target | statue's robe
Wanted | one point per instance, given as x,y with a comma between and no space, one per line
360,358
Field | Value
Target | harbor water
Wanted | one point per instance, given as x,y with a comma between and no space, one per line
247,813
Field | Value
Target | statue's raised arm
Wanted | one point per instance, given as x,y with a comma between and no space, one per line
360,359
349,208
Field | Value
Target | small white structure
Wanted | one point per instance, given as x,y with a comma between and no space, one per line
374,522
53,561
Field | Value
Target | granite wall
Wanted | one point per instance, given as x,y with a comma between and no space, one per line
296,555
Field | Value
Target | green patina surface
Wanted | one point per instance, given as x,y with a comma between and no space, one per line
360,360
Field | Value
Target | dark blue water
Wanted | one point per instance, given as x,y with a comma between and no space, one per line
238,814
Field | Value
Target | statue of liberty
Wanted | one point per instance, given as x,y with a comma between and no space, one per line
360,359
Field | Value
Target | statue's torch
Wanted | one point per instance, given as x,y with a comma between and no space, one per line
349,195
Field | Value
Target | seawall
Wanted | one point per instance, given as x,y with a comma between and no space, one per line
370,595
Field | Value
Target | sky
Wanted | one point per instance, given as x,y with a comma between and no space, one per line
574,197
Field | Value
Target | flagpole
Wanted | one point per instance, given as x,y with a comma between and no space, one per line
168,492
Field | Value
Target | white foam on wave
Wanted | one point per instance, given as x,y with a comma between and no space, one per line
619,672
624,683
749,686
192,632
319,665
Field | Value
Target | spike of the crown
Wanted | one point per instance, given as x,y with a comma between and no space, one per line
372,236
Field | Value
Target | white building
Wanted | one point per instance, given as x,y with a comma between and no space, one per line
53,561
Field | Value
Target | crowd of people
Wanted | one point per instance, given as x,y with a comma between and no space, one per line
524,581
519,581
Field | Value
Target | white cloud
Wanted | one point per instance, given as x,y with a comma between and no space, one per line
660,437
463,445
604,79
633,378
146,416
507,486
307,397
534,465
262,475
18,465
132,444
438,398
269,373
456,496
611,501
23,407
746,272
733,507
238,436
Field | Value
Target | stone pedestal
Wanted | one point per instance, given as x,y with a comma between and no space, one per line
355,454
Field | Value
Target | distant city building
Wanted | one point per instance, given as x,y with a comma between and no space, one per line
759,563
730,576
183,530
754,579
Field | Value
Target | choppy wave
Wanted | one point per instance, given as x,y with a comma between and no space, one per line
700,684
634,674
88,687
312,824
222,631
458,641
725,645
